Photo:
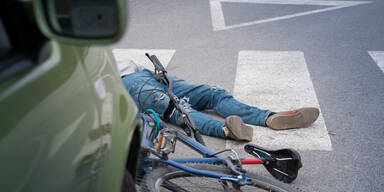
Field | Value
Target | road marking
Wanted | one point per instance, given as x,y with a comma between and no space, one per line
218,20
138,56
279,81
378,57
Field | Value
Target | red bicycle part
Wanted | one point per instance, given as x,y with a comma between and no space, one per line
246,161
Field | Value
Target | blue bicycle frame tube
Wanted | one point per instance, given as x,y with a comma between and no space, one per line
203,150
194,145
193,170
209,157
197,160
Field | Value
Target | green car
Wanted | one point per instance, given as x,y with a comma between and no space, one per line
67,122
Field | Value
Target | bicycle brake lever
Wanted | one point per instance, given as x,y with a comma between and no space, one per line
157,64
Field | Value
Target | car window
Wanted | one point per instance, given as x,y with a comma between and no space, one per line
22,46
5,45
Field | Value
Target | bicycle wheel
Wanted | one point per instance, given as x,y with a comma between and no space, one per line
172,179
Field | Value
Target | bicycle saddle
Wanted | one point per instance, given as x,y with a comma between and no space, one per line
283,164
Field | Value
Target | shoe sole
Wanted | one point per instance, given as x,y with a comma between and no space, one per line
301,119
238,128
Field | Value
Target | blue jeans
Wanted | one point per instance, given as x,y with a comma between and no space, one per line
193,98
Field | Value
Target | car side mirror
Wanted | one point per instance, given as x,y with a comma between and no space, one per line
81,21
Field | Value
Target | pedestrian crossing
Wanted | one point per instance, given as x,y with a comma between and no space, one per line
275,80
279,81
138,56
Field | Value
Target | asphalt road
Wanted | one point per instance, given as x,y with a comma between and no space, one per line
348,83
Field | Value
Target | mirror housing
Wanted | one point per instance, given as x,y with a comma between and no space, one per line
81,22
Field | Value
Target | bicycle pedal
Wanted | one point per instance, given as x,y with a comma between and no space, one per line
167,141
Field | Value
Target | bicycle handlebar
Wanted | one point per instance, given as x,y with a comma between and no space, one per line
156,62
162,77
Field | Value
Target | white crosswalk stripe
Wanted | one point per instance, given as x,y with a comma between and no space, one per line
138,56
279,81
267,79
378,57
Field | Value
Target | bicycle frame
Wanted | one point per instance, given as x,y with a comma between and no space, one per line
208,157
262,156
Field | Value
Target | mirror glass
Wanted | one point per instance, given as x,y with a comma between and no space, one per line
83,18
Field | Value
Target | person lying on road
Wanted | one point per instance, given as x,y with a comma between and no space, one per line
149,94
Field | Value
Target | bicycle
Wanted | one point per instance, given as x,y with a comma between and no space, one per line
163,173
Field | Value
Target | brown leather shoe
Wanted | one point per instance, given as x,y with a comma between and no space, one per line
236,129
303,117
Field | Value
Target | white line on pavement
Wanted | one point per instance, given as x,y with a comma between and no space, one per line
218,20
138,56
279,81
217,15
378,57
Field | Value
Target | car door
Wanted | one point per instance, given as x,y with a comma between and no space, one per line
116,114
48,115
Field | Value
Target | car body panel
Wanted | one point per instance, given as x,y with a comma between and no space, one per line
57,133
116,108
